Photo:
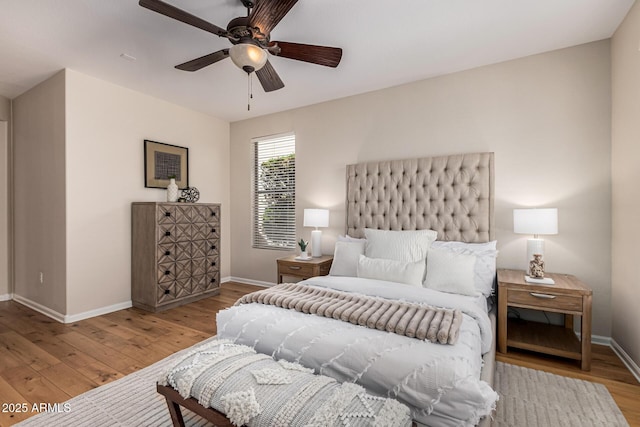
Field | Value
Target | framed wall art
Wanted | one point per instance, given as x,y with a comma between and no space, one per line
165,161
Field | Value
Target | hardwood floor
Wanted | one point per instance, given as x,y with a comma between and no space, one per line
43,361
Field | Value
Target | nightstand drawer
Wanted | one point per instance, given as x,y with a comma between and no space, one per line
545,300
297,269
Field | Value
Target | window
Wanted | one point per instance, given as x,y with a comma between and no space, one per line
274,192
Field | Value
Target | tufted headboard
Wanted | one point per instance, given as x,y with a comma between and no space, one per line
452,195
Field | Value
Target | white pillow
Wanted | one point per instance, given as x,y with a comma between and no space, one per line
348,238
410,273
451,272
407,246
485,268
345,258
473,247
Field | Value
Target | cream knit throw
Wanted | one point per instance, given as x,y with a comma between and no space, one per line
413,320
253,389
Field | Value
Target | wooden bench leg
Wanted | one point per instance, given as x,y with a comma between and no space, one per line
174,401
176,413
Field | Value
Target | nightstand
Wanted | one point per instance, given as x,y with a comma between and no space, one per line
289,266
568,296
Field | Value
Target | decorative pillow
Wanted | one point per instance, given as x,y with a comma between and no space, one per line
485,267
473,247
410,273
348,238
451,272
406,246
345,258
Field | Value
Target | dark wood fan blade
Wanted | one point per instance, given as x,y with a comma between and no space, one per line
267,13
269,79
321,55
204,61
182,16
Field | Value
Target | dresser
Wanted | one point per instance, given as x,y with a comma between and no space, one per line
175,253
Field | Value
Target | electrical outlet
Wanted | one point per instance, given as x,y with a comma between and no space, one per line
41,277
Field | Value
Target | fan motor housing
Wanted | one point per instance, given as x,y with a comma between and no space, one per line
240,29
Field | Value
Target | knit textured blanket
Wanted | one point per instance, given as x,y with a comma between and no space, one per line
255,390
413,320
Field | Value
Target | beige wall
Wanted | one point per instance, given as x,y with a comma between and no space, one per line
78,166
5,120
106,127
39,196
546,117
625,178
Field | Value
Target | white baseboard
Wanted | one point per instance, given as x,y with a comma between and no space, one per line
66,318
6,297
249,281
626,359
599,339
97,312
39,308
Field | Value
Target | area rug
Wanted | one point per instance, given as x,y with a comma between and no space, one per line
527,398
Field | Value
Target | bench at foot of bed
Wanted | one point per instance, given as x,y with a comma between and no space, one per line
230,384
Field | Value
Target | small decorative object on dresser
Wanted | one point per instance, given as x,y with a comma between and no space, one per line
172,190
569,296
291,266
190,194
175,253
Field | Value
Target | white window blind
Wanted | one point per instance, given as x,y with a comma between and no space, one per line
274,192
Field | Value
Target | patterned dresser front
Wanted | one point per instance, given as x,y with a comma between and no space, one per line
175,253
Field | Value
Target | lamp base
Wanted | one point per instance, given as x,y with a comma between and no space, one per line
535,247
544,281
316,243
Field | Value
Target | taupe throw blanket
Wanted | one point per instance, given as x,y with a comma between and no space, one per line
403,318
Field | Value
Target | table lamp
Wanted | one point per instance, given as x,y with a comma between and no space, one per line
316,218
536,222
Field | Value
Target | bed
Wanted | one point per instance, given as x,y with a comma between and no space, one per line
404,217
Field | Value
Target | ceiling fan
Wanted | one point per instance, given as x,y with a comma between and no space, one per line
250,39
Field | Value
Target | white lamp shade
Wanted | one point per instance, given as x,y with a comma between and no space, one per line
535,221
248,55
316,218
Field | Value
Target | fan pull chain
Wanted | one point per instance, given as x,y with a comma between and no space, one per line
249,90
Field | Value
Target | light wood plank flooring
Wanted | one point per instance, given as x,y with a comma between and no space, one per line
43,361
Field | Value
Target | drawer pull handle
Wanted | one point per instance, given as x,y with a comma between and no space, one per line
167,214
167,272
291,267
213,264
213,230
167,233
167,253
544,296
167,291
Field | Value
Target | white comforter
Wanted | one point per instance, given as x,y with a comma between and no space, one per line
440,383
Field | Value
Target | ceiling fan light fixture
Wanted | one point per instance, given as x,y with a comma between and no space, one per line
248,57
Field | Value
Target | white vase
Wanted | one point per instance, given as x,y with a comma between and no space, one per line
172,191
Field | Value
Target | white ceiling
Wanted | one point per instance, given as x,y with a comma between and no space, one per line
385,43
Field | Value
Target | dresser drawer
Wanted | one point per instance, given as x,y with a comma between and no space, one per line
296,269
545,300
